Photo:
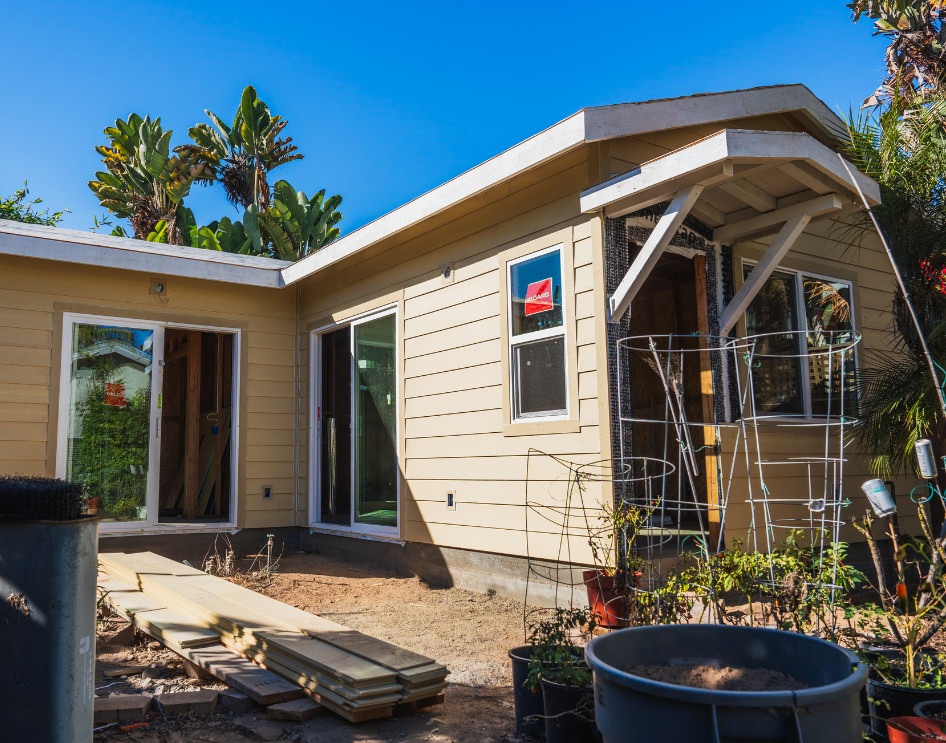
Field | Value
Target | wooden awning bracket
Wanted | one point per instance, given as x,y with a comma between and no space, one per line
653,248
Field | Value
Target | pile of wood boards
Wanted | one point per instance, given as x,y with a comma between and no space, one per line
204,618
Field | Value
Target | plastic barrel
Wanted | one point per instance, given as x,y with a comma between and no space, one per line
47,613
632,709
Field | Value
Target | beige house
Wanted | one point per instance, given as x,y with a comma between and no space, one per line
382,396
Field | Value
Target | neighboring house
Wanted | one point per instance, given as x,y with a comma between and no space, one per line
382,395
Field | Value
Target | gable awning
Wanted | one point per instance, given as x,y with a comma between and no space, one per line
743,184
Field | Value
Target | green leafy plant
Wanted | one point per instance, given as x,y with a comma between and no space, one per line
914,613
556,643
17,209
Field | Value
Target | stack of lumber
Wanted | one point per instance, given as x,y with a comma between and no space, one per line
197,615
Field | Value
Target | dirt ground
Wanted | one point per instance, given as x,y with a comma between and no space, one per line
469,633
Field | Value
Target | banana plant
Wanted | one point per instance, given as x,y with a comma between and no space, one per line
143,180
241,156
294,225
224,235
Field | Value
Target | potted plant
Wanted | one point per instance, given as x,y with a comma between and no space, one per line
557,666
906,619
613,585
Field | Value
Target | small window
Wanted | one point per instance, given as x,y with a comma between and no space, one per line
537,336
799,321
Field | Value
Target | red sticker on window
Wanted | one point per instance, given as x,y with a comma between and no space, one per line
539,297
114,394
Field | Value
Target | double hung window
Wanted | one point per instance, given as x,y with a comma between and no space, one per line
802,329
537,336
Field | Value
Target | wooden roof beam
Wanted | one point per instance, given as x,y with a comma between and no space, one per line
656,243
752,195
763,223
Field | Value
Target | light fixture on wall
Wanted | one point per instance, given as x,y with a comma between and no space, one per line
158,287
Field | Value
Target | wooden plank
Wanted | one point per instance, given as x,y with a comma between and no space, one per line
192,425
351,668
381,652
710,459
262,686
298,710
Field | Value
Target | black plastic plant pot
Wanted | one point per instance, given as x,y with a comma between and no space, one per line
826,711
934,709
528,703
887,700
569,713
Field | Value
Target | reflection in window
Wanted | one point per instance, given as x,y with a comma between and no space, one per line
537,336
799,322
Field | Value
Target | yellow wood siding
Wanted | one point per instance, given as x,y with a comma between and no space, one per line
452,412
33,296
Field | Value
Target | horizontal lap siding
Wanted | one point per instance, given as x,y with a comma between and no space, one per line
822,250
30,291
452,381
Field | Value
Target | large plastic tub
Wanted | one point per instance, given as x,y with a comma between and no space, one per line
632,709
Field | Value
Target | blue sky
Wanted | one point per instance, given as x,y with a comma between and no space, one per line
388,100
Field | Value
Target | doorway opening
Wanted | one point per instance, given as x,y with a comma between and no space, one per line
196,426
146,420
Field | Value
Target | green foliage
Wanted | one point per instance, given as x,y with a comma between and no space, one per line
915,613
242,155
294,225
556,653
143,181
903,147
916,55
146,182
111,455
16,208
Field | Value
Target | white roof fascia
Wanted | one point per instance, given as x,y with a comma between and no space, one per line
588,125
727,145
90,249
607,122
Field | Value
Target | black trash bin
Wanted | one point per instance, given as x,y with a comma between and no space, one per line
48,555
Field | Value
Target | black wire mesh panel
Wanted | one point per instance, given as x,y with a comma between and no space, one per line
39,499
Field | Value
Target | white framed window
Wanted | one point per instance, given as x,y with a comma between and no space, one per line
537,357
803,328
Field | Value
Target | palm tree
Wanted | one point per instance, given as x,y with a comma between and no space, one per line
240,157
903,147
916,55
143,181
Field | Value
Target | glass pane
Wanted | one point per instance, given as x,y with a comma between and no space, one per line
335,504
776,371
109,418
828,325
376,465
539,371
536,293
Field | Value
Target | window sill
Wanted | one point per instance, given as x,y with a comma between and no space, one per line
530,428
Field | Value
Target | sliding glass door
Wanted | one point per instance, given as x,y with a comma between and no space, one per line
356,425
